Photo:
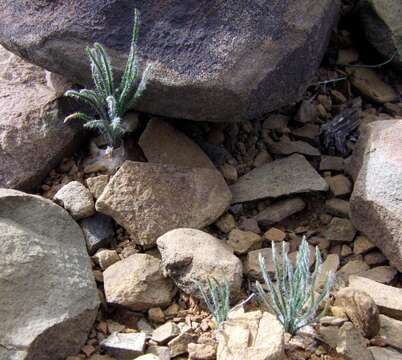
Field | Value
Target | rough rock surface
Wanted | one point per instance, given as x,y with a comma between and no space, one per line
150,199
33,137
48,299
190,254
391,331
291,175
376,202
244,337
137,283
211,61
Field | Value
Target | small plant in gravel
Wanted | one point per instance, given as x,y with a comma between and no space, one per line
293,296
109,103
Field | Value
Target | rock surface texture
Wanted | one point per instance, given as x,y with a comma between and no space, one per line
33,137
376,202
211,61
48,297
150,199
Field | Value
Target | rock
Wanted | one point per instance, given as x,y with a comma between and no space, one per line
244,337
166,332
375,258
274,234
98,231
156,315
163,144
387,298
162,352
307,113
105,258
380,353
370,85
347,56
354,267
201,352
381,274
229,172
148,357
286,147
376,209
331,163
190,255
104,160
391,331
143,198
48,294
237,81
330,264
338,207
243,241
262,158
380,22
33,138
178,345
291,175
226,223
137,283
340,230
76,199
339,185
276,122
249,224
125,346
97,184
361,310
362,245
308,132
346,250
352,344
279,211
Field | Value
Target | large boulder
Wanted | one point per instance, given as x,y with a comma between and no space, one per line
33,137
376,206
150,199
48,299
381,21
214,61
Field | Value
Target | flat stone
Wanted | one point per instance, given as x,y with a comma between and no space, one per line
340,230
352,344
338,207
331,163
125,346
286,147
97,184
76,199
376,206
291,175
362,245
387,298
162,352
201,351
339,185
143,198
137,283
274,234
279,211
98,231
243,241
105,258
381,274
190,255
354,267
49,299
380,353
178,346
330,264
163,144
166,332
391,331
309,132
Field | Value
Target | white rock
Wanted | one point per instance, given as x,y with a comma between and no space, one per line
125,346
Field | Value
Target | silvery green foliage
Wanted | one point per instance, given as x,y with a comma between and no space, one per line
217,299
108,103
293,297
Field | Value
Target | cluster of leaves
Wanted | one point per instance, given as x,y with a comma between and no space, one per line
109,103
292,297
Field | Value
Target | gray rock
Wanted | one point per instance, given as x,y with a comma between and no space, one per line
33,138
354,267
391,331
308,132
331,163
340,230
76,199
338,207
137,283
212,64
381,274
291,175
162,352
352,344
163,144
376,206
286,147
98,231
243,241
388,353
125,346
150,199
166,332
279,211
178,345
190,255
339,185
307,113
48,297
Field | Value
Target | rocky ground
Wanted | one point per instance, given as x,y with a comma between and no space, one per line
205,199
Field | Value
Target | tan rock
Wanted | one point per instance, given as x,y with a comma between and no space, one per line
340,230
226,223
330,264
178,345
380,353
137,283
391,331
338,207
274,234
166,332
243,241
150,199
201,352
381,274
352,344
97,184
106,258
362,245
339,185
354,267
